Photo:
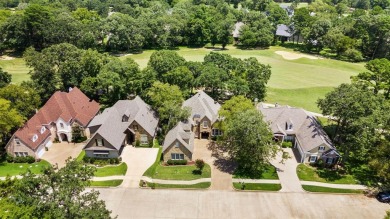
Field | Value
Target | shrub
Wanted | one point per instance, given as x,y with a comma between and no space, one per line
286,144
9,158
177,162
30,159
137,143
353,55
199,163
46,149
151,144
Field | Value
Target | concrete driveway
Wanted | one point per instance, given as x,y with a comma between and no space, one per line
287,172
138,160
169,203
59,152
221,178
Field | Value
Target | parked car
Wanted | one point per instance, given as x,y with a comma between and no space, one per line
384,196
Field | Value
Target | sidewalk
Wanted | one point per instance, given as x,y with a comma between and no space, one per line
261,181
331,185
175,182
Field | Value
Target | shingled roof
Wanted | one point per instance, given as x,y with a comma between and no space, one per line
203,105
70,106
305,126
110,120
182,133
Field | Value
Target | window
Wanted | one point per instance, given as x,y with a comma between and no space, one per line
177,144
144,139
216,132
21,154
205,124
329,160
35,138
125,118
177,156
321,148
101,155
43,129
17,142
99,142
135,127
313,158
61,125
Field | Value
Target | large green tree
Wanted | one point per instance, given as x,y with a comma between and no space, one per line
54,194
5,78
9,118
164,61
248,140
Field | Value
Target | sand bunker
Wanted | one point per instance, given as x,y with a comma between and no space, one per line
6,57
293,55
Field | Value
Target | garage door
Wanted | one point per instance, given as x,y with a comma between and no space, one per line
40,151
49,143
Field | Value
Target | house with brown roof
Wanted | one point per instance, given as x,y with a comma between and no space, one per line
54,120
303,130
125,123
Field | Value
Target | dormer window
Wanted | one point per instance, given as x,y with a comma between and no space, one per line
177,144
61,125
321,148
43,129
125,118
35,138
17,141
289,126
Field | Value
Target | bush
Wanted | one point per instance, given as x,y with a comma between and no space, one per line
9,158
151,143
177,162
79,139
287,144
137,143
199,163
30,159
353,55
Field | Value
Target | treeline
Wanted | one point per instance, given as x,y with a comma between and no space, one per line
333,28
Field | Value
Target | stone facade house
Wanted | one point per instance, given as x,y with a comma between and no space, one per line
301,128
179,142
53,121
125,123
204,115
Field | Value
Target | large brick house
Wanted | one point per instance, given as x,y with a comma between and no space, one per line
303,130
127,122
54,120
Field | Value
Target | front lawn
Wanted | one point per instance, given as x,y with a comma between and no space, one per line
119,170
257,186
308,173
81,156
330,190
152,169
13,169
269,173
107,183
185,172
203,185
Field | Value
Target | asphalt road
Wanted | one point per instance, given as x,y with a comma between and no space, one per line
147,203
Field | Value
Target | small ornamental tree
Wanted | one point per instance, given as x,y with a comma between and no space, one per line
199,163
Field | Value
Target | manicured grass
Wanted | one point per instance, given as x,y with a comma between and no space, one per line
107,183
81,156
181,172
152,169
258,186
203,185
330,190
308,173
269,173
17,68
119,170
13,169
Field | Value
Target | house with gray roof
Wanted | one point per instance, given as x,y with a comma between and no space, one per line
179,142
125,123
287,33
204,115
303,130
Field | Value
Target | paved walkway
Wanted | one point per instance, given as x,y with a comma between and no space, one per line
287,172
331,185
138,160
59,152
261,181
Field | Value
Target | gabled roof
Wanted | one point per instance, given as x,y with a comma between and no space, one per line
283,30
70,106
203,105
182,134
113,129
305,126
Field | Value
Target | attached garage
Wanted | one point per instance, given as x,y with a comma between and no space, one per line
40,151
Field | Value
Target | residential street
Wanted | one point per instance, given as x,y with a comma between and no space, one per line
147,203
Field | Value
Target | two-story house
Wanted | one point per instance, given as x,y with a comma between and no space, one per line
53,121
303,130
127,122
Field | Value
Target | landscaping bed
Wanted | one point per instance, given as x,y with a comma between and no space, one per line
325,175
107,183
13,169
330,190
257,186
182,172
119,170
269,173
203,185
